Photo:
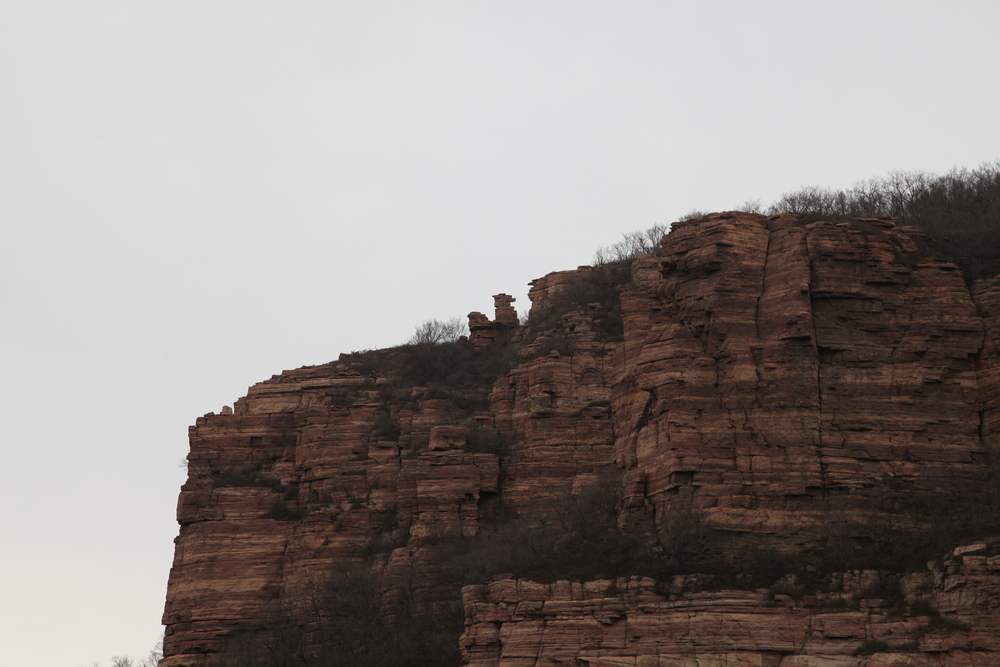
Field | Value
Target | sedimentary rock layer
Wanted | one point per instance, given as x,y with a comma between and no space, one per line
948,614
781,375
771,377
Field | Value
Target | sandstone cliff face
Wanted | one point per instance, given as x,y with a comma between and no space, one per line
948,614
781,375
770,378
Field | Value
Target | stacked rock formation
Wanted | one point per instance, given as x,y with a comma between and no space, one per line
483,331
772,377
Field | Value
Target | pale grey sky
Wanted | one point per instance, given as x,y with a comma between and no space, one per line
196,195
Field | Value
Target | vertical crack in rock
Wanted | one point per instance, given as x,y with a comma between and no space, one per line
763,283
980,295
811,278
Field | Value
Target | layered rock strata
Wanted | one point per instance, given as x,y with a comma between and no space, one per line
782,375
948,614
483,331
771,377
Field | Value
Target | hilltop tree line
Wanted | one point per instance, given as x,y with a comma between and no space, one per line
959,210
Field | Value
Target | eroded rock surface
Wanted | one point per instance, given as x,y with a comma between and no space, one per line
770,378
948,614
782,374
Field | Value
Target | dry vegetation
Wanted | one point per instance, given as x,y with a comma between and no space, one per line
959,211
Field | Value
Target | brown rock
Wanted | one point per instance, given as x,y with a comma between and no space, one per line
776,376
780,374
638,622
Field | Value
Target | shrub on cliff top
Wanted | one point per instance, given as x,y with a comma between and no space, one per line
436,331
959,210
455,370
596,291
632,245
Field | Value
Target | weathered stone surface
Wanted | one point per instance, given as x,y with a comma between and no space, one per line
483,331
781,374
948,615
297,480
775,376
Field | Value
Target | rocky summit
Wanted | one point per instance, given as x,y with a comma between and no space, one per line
770,442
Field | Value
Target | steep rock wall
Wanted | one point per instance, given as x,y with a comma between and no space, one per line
299,480
775,376
782,375
948,614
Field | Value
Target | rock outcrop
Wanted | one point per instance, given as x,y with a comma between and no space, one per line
948,614
483,331
782,382
783,375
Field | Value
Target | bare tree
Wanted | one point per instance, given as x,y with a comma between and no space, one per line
959,210
437,331
693,214
632,245
151,660
155,655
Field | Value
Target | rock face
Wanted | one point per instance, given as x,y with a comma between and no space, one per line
771,379
484,332
946,615
781,375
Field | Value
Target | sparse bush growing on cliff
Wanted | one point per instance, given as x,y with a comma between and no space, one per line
848,544
487,440
596,291
455,371
587,538
351,619
632,245
935,621
436,331
386,428
578,539
365,362
959,210
693,214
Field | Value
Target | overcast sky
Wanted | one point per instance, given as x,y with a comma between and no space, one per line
196,195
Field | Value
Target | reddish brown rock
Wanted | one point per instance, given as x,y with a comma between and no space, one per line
483,331
774,377
782,374
946,615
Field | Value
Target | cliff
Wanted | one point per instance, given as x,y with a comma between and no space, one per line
766,402
947,614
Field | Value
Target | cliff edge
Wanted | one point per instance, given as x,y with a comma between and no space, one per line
762,445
